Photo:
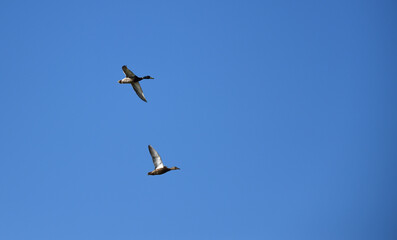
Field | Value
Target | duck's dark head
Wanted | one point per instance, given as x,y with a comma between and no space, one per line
150,173
147,77
175,168
119,81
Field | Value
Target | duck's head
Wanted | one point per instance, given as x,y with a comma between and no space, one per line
175,168
149,173
147,77
119,81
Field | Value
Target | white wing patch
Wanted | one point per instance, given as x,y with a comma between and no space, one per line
156,158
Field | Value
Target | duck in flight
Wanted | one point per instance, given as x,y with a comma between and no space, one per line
159,167
131,78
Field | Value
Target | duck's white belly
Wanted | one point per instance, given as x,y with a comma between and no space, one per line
126,80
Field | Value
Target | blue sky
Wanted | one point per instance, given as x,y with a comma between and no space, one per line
281,115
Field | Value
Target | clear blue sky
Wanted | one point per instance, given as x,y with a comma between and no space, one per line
281,115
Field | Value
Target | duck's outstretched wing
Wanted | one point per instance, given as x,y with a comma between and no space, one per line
138,90
156,158
128,73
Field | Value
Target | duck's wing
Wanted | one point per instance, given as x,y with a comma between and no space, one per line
138,90
156,158
128,73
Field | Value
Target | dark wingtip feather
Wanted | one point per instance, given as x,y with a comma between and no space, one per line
151,149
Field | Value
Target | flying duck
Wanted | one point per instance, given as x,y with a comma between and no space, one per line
130,77
159,167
